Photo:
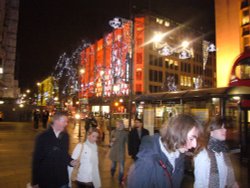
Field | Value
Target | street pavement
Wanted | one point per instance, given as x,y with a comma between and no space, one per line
16,147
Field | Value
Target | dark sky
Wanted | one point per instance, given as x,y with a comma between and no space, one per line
47,28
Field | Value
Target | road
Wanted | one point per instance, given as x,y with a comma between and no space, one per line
16,147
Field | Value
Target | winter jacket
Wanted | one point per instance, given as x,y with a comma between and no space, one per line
118,148
134,141
152,169
202,164
50,160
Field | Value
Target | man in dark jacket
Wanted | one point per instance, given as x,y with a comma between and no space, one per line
51,158
160,162
135,137
90,122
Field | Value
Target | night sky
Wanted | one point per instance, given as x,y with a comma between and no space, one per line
47,28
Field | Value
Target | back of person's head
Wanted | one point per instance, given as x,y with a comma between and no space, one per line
174,132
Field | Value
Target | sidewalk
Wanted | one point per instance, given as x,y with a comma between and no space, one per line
16,147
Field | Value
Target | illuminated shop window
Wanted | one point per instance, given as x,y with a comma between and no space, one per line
246,41
245,17
182,81
138,88
167,24
158,20
138,75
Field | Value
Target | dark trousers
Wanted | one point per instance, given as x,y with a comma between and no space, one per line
36,122
84,185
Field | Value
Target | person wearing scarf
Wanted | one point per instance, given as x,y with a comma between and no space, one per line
213,167
160,162
88,174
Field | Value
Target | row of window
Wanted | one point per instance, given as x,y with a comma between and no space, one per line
185,81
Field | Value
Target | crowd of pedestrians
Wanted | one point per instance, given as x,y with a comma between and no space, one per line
159,159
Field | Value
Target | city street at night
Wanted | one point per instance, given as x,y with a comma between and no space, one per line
16,147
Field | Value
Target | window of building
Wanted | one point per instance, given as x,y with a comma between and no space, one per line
139,58
138,88
160,61
151,59
159,21
245,17
176,65
167,63
138,75
139,41
176,79
151,75
246,41
159,76
182,81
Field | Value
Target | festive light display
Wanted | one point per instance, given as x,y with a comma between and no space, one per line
105,64
66,72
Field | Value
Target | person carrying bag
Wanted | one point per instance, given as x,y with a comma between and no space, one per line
87,174
75,169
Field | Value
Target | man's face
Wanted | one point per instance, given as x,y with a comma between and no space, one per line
61,123
191,140
138,124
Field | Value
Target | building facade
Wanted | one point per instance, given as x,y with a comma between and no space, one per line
8,38
232,35
129,55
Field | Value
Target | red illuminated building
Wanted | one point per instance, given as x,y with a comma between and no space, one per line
106,78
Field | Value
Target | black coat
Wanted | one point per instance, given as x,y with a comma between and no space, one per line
134,141
50,160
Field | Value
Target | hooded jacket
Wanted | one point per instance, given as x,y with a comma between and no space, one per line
153,169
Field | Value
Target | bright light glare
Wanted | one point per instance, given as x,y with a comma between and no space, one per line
82,71
157,37
185,44
77,116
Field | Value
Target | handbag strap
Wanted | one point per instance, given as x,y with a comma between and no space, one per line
80,152
167,174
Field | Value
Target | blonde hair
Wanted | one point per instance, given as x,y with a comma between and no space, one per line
92,130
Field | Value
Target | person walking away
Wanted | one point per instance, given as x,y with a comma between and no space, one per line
88,175
135,137
45,118
50,157
160,162
212,166
36,118
118,140
90,122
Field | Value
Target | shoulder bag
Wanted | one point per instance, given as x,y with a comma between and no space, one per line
76,168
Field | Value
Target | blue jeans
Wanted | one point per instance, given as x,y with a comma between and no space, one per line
121,169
